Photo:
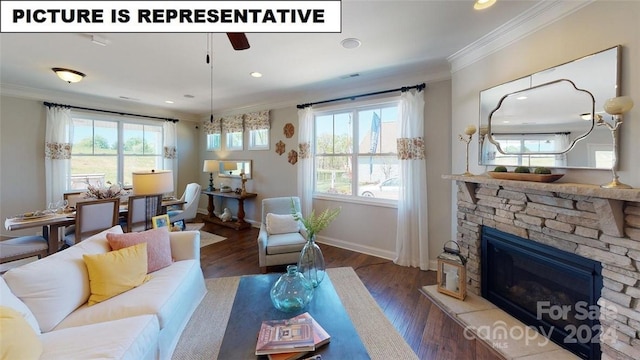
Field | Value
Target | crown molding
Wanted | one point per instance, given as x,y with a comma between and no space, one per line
537,17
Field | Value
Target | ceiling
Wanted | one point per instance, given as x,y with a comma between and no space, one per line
401,41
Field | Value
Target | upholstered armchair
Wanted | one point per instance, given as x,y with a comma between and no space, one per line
281,238
189,210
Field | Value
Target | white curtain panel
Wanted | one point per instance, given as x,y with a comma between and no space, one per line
305,161
57,161
561,143
412,245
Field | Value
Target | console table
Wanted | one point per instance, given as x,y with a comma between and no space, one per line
239,223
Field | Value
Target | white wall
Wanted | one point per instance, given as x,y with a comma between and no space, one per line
596,27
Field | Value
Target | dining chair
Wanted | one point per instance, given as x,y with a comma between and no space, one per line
23,247
73,197
190,207
92,217
140,210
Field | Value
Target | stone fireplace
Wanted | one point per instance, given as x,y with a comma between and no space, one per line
598,224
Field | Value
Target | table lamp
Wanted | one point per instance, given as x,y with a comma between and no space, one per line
210,166
230,166
152,183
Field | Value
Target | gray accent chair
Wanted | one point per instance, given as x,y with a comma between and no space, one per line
279,249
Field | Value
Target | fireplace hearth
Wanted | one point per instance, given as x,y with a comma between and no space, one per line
553,291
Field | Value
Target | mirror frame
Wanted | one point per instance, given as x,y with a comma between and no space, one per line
245,165
520,92
526,82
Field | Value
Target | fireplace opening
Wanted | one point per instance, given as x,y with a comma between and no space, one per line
554,291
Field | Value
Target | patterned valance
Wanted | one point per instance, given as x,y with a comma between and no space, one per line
232,124
212,127
411,148
57,151
258,120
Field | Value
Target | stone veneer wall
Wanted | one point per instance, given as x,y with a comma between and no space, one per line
580,224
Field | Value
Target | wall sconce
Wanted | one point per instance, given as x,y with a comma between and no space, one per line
210,166
68,75
452,272
615,107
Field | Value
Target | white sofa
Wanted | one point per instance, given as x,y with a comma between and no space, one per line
142,323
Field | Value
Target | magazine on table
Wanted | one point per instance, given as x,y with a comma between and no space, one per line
320,337
288,335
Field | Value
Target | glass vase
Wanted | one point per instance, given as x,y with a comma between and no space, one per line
292,291
311,262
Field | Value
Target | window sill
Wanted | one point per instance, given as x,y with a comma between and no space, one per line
358,200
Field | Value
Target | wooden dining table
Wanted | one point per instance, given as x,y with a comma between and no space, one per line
51,223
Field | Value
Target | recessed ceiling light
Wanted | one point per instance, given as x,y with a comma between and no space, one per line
350,43
255,74
483,4
521,98
169,101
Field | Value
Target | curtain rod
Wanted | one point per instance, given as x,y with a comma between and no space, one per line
419,87
48,104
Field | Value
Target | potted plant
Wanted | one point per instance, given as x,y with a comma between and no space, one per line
311,261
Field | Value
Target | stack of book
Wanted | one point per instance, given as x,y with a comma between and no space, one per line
290,339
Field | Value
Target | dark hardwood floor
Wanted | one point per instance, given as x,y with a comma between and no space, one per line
429,332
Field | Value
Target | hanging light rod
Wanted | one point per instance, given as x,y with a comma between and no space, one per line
48,104
418,87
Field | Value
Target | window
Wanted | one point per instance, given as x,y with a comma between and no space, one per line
355,151
109,150
214,142
234,140
259,139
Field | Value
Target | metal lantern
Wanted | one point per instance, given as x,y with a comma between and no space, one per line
452,272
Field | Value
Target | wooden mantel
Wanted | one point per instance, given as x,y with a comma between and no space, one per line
608,202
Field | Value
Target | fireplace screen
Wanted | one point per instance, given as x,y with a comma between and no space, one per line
554,291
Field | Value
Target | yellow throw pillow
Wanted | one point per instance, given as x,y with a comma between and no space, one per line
19,341
115,272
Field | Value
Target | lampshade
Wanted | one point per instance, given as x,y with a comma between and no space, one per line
68,75
152,182
618,105
210,166
230,165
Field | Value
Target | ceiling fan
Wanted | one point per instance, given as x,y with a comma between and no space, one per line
238,41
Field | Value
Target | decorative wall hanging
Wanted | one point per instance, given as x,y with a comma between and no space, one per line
280,147
289,130
293,157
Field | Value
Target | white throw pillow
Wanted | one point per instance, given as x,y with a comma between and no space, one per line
55,286
7,298
281,224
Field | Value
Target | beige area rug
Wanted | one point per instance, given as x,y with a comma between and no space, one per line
206,238
203,335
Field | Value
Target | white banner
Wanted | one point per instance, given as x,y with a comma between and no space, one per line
172,16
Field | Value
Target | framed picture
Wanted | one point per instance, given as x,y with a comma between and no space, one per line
178,226
160,221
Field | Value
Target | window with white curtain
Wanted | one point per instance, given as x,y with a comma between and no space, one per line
356,150
110,148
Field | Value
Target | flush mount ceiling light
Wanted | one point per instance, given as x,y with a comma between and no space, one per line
483,4
350,43
68,75
255,74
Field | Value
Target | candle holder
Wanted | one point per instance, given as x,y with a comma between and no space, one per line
466,138
615,107
243,178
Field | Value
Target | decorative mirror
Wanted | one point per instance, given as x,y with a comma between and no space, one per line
553,126
233,168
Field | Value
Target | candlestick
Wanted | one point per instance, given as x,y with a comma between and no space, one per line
469,131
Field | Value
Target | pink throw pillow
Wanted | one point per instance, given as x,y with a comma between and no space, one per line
158,245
